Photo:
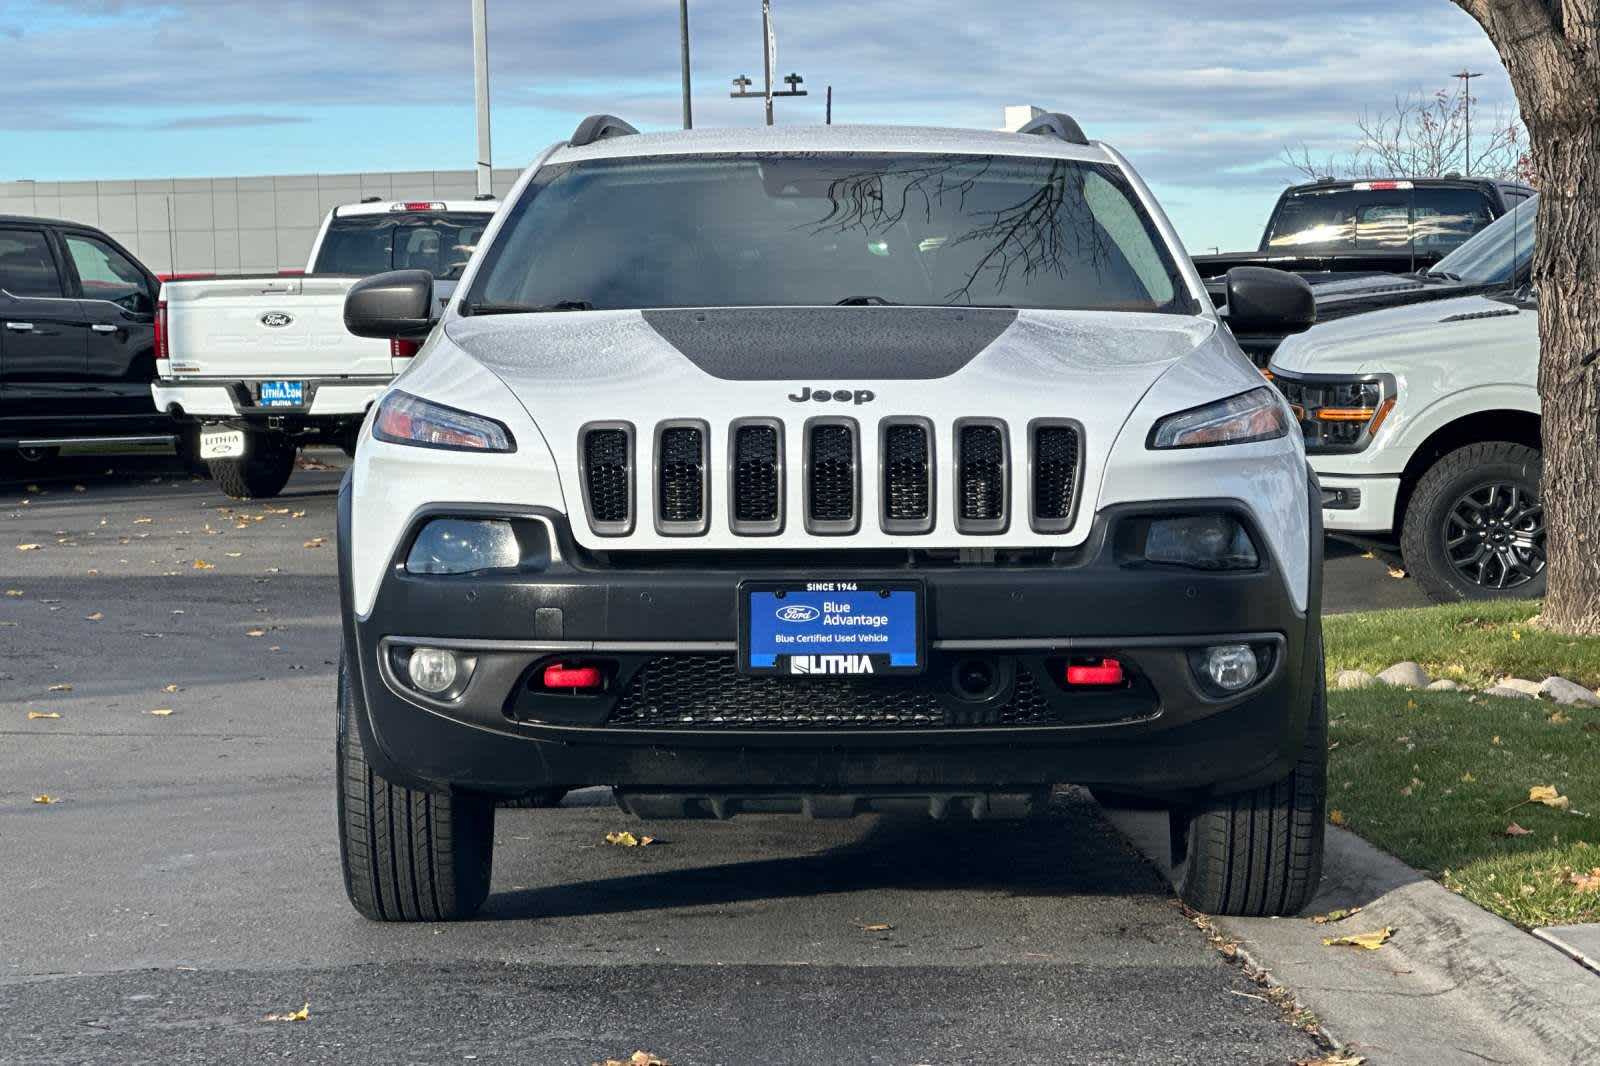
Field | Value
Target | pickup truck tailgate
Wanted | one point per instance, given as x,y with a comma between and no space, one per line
271,326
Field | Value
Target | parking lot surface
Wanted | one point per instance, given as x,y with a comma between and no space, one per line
184,884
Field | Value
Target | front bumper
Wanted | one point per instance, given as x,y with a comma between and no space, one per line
1163,736
235,399
1359,504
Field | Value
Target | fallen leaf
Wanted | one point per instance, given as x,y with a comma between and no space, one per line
1515,830
1333,1058
1515,635
255,633
1547,795
1368,555
235,555
1336,816
162,712
27,547
291,1016
172,688
80,488
43,714
638,1058
1468,778
1336,915
298,514
143,521
44,799
95,617
60,688
201,564
1589,882
626,839
13,592
1370,941
1557,718
1396,572
315,542
877,927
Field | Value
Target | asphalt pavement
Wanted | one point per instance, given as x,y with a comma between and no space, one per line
185,884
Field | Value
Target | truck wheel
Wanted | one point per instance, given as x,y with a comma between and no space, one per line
408,856
1259,853
261,474
1474,529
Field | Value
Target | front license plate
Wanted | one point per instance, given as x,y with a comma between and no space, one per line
831,628
221,443
283,393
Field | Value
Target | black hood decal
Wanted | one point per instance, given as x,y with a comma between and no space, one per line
831,343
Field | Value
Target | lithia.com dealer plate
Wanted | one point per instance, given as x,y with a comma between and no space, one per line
809,628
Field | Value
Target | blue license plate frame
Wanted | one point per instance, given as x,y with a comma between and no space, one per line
283,393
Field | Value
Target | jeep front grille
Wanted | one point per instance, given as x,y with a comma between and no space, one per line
832,476
755,477
682,469
906,462
983,473
1056,455
606,451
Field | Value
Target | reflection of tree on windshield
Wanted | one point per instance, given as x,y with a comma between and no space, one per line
1046,230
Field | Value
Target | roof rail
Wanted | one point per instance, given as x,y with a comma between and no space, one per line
1055,124
599,128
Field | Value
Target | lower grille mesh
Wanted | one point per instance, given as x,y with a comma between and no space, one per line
709,692
682,461
1055,473
606,460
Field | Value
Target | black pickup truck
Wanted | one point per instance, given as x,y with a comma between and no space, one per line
1369,227
77,341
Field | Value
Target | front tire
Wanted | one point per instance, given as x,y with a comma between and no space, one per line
408,856
1259,853
262,472
1474,529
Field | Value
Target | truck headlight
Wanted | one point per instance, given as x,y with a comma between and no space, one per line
1338,414
464,546
1251,416
406,419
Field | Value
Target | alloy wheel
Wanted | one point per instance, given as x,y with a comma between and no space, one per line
1494,535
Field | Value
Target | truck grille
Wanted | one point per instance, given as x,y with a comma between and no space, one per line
607,451
907,489
681,478
1055,476
831,476
907,464
983,474
757,477
709,692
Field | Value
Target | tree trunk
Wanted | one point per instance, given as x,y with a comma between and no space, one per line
1551,48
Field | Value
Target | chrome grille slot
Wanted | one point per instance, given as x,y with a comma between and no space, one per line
905,462
833,476
605,450
756,476
1056,448
682,478
983,476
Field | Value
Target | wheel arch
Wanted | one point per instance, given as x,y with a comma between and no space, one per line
1508,424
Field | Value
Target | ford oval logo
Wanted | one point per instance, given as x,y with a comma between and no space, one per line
276,319
797,612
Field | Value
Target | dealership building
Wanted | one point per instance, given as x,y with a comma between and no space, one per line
228,225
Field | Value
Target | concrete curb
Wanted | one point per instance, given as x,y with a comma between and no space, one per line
1456,984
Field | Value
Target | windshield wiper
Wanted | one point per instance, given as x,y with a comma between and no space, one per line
526,309
864,301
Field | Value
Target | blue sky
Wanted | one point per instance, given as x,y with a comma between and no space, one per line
1203,98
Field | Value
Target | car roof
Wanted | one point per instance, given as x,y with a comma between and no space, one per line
34,220
849,139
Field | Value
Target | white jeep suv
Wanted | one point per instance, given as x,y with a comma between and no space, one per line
829,470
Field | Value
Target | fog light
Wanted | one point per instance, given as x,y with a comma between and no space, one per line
432,670
1232,667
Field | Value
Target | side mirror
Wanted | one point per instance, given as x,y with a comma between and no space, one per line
1263,300
398,304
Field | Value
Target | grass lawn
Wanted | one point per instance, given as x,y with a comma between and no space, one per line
1436,778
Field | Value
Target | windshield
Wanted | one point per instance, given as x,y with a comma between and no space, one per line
371,244
1500,254
1317,221
810,229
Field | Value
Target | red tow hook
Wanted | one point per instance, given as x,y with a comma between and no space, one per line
1104,673
577,678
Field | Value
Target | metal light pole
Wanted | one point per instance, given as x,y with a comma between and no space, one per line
683,42
480,82
1466,77
769,56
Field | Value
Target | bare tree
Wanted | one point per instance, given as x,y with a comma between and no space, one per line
1422,136
1552,50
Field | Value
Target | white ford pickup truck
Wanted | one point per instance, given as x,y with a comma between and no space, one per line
264,364
1422,421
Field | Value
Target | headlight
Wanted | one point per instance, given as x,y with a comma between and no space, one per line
1201,541
464,546
1338,414
406,419
1250,416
